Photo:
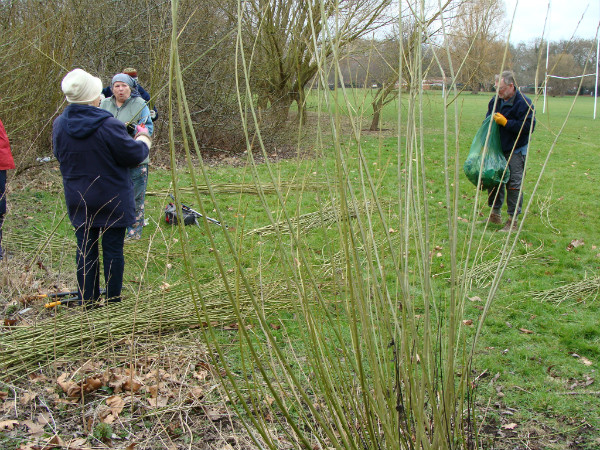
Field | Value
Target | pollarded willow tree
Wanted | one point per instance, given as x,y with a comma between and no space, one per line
286,38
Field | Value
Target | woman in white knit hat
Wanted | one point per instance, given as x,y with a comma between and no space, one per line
95,153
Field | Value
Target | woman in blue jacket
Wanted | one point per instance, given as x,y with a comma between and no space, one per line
95,153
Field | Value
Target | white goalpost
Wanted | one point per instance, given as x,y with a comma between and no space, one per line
595,74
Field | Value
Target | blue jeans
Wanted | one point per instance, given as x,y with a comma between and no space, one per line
139,177
88,262
516,165
2,205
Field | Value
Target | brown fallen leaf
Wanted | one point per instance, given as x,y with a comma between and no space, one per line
159,401
214,415
33,428
196,393
65,384
132,385
29,446
525,330
116,404
92,384
275,326
77,443
574,244
56,441
585,361
475,298
43,418
510,426
467,322
109,419
10,322
27,397
153,390
8,424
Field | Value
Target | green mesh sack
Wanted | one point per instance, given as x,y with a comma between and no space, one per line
494,164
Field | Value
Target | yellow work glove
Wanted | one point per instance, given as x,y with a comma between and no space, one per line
500,119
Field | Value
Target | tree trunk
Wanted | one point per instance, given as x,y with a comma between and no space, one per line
279,110
301,102
377,106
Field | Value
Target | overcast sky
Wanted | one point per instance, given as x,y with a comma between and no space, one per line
562,21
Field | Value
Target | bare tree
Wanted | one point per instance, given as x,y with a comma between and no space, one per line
562,68
290,38
474,42
415,32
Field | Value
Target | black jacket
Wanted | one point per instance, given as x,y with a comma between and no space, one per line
95,153
518,110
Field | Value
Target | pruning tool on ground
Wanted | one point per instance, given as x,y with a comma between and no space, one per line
63,298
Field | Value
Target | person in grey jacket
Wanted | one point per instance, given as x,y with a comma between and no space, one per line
132,110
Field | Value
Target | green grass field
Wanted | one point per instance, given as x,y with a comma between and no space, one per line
537,361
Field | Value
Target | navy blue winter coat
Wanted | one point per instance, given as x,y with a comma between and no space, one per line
517,110
95,154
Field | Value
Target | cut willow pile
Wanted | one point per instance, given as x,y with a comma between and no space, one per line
325,217
241,188
76,334
580,291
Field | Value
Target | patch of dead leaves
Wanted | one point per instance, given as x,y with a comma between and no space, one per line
75,389
574,244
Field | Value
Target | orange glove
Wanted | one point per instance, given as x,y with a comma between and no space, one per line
500,119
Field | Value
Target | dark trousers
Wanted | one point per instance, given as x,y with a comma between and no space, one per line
516,165
88,262
2,205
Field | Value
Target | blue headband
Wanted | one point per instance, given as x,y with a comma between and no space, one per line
124,78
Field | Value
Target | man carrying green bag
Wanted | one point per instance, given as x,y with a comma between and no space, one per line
515,115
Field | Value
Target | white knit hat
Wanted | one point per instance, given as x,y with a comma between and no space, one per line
81,87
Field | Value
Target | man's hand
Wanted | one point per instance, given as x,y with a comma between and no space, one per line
500,119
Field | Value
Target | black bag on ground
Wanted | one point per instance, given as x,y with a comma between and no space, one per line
189,218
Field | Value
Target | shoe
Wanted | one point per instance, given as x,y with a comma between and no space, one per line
492,218
510,226
495,218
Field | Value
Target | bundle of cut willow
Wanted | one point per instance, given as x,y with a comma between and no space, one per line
328,215
41,242
482,273
244,188
74,333
588,288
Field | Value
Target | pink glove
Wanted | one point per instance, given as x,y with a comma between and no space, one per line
142,134
141,129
